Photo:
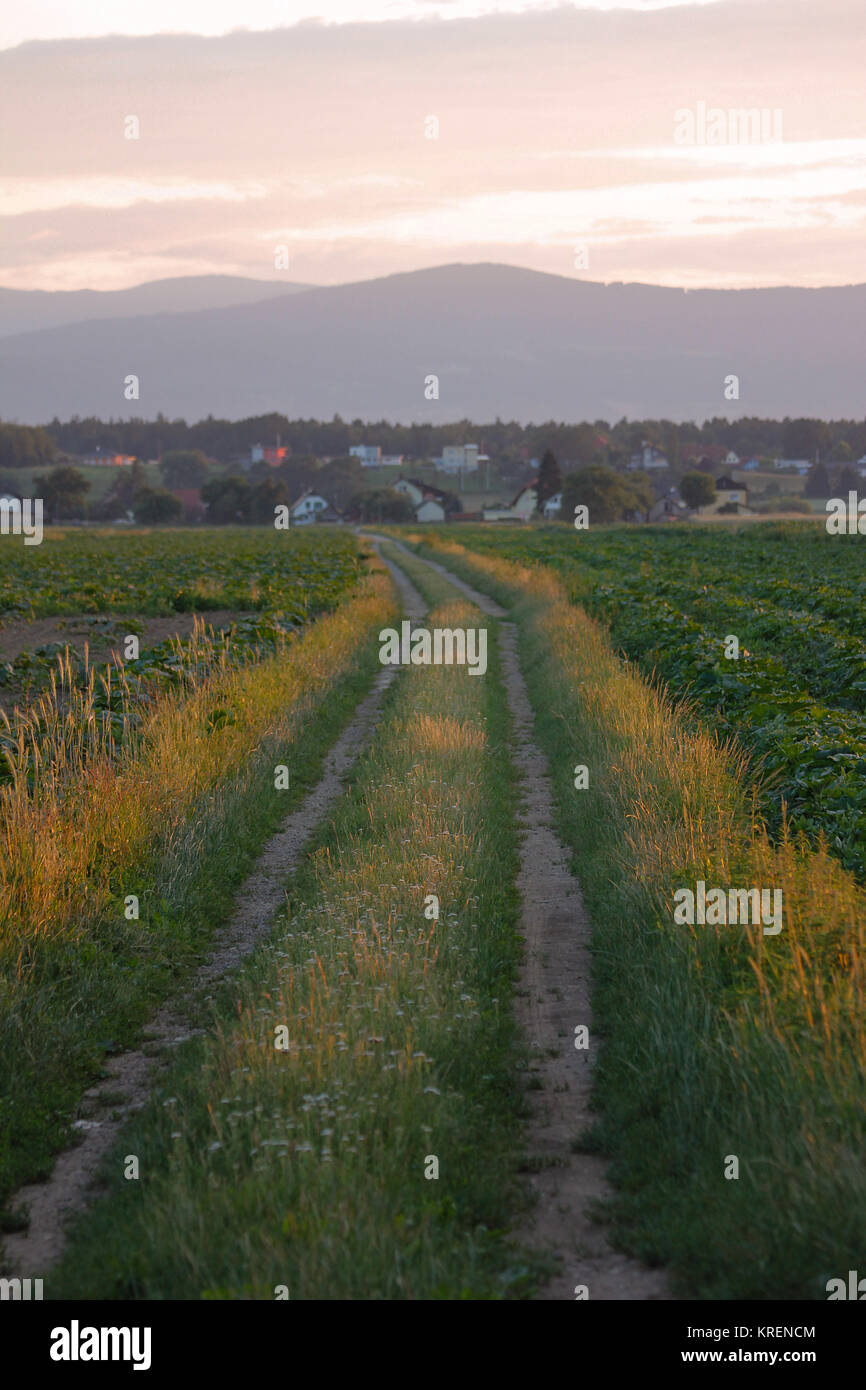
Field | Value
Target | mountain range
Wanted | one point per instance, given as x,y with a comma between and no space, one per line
502,341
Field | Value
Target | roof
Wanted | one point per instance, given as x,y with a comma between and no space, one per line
527,487
307,492
727,484
716,453
189,496
424,487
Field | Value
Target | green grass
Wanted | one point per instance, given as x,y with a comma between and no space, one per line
177,819
306,1167
716,1041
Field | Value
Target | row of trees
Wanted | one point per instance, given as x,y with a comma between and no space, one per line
510,443
22,446
825,481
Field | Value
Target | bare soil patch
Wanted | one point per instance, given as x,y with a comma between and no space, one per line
18,635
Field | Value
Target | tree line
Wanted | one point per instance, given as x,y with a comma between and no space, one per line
511,444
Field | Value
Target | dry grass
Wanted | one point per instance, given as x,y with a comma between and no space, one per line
171,816
304,1165
719,1040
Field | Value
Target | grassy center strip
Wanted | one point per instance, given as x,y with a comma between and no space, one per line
350,1126
720,1043
175,824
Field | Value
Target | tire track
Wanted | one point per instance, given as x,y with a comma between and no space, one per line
72,1184
553,1000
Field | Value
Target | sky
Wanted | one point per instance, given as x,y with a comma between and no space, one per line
598,140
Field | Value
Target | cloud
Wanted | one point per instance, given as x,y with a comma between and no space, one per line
553,126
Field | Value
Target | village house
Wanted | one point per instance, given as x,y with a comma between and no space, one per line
311,507
709,457
430,510
552,507
273,455
648,458
521,508
429,502
99,460
194,508
368,455
730,495
457,458
800,466
671,507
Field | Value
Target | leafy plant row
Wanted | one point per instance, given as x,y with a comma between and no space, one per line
795,696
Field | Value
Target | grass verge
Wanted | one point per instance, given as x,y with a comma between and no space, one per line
177,820
716,1041
305,1158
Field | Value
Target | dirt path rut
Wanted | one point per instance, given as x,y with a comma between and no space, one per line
554,1000
72,1184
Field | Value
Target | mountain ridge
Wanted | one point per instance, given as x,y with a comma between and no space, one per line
504,341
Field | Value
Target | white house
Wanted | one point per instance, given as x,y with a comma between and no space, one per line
368,455
802,465
521,508
457,457
552,507
407,487
391,461
430,510
648,459
311,507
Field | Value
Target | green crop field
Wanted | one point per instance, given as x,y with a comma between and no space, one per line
250,589
155,572
794,697
310,942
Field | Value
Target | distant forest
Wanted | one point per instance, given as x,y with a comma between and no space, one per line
508,443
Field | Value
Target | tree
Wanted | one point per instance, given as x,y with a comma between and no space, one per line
697,490
154,506
804,438
183,468
228,500
63,490
24,447
549,478
381,504
849,480
608,495
338,480
640,485
841,452
818,481
265,497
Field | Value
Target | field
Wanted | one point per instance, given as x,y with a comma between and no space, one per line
85,592
794,697
297,945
